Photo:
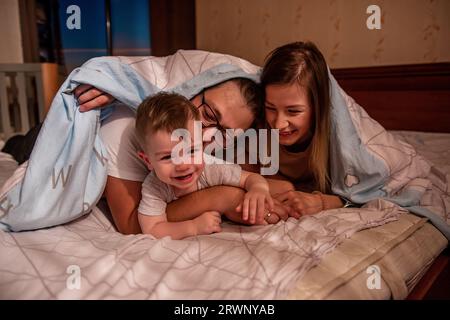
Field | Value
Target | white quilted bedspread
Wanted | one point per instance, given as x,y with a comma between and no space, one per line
239,263
88,259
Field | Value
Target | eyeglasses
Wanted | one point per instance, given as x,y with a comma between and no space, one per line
210,120
209,117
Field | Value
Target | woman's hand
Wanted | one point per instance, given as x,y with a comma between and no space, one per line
90,98
280,210
301,203
272,218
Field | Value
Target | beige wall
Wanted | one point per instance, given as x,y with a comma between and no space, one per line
413,31
11,47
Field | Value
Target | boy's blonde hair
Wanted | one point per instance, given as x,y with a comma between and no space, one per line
163,111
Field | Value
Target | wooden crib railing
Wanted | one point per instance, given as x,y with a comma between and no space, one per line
26,92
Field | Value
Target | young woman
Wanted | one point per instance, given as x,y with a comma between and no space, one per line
297,102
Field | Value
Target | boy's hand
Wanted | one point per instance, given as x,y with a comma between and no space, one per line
208,222
257,203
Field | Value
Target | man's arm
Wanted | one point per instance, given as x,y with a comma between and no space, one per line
123,197
223,199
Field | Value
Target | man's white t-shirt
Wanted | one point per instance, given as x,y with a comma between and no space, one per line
119,138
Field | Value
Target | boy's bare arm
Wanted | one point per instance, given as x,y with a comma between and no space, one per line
159,227
207,223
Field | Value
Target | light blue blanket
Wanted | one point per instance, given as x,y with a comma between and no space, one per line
66,173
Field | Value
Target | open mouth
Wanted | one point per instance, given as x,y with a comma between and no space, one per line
184,178
287,133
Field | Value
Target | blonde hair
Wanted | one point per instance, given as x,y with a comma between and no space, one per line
304,64
163,111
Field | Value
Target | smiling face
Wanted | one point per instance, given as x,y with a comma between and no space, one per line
182,177
227,105
287,108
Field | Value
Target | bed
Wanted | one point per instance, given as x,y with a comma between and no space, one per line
356,253
44,264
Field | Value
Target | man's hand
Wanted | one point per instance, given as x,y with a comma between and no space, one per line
90,98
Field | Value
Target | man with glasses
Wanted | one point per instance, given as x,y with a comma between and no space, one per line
232,104
211,119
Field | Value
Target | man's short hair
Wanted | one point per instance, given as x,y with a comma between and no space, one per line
253,95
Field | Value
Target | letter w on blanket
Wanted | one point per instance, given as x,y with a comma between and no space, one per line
66,173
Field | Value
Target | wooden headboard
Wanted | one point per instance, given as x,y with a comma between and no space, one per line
404,97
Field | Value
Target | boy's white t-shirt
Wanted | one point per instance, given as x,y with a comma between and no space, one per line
157,194
119,138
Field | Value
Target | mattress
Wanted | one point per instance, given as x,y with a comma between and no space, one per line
88,259
402,251
331,255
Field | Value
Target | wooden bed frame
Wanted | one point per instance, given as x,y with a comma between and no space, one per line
435,284
407,97
404,97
